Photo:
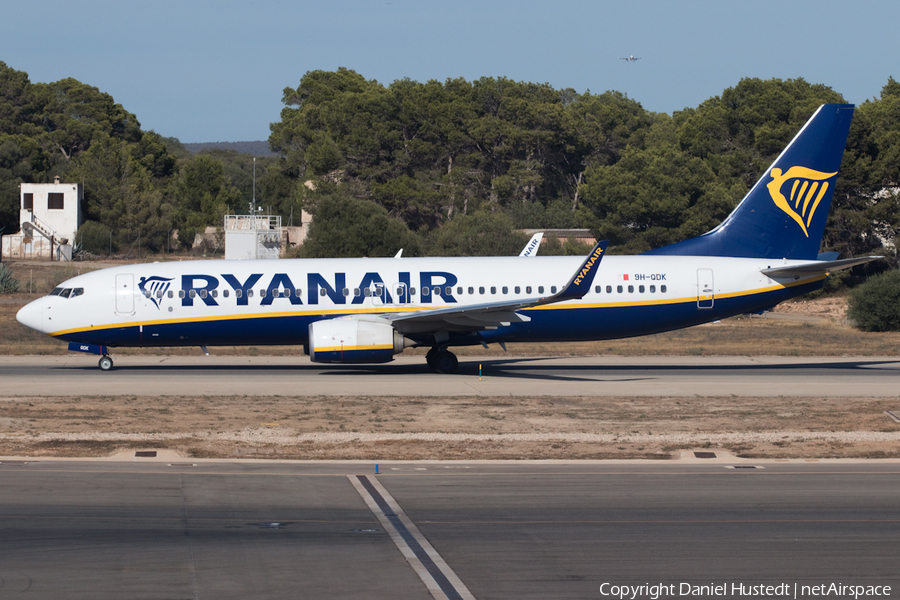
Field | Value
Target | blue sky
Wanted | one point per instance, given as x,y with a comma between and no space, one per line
206,71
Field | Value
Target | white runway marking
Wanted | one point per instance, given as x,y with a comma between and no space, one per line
431,568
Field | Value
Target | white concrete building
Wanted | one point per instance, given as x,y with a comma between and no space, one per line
49,216
252,236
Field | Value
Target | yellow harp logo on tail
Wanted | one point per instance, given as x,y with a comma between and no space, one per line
806,191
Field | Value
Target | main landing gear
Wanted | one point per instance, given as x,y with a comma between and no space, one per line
442,360
106,363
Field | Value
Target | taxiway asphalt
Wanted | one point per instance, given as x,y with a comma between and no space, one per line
408,375
220,529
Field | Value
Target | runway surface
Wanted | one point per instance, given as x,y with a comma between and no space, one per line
408,375
103,530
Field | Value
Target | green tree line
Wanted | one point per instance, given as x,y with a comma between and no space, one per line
138,185
453,167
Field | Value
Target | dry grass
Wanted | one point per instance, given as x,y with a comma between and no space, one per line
230,426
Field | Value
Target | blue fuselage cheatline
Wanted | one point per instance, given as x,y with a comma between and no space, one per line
367,310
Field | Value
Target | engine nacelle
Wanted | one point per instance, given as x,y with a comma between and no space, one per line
353,340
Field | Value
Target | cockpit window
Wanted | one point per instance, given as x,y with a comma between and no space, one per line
66,292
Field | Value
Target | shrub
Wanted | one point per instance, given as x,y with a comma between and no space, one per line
8,285
94,237
875,305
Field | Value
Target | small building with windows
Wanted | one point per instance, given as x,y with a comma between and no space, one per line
49,216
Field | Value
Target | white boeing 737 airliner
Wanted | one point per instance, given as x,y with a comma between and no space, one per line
368,309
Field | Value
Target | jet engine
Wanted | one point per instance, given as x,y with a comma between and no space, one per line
354,340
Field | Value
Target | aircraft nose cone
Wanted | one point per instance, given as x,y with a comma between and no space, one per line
30,315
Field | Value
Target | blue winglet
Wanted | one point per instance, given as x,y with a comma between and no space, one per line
581,281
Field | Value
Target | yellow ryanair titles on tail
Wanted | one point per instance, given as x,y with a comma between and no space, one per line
807,190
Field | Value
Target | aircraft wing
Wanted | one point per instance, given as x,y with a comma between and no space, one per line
495,314
819,266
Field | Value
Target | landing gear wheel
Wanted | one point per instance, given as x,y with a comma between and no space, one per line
445,362
429,358
106,363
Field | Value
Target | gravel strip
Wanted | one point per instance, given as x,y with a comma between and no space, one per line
288,437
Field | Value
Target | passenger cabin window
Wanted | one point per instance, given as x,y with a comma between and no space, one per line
459,291
597,289
471,291
652,289
202,293
630,289
170,294
426,291
181,293
493,289
518,290
449,291
224,293
540,289
619,289
662,289
412,291
193,293
528,289
504,290
481,290
552,289
609,289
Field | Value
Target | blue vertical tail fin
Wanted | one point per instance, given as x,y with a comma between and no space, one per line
784,214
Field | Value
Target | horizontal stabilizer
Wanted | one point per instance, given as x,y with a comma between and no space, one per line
821,266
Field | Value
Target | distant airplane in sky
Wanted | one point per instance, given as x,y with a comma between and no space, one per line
630,58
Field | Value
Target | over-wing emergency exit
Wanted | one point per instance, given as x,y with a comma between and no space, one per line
368,310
